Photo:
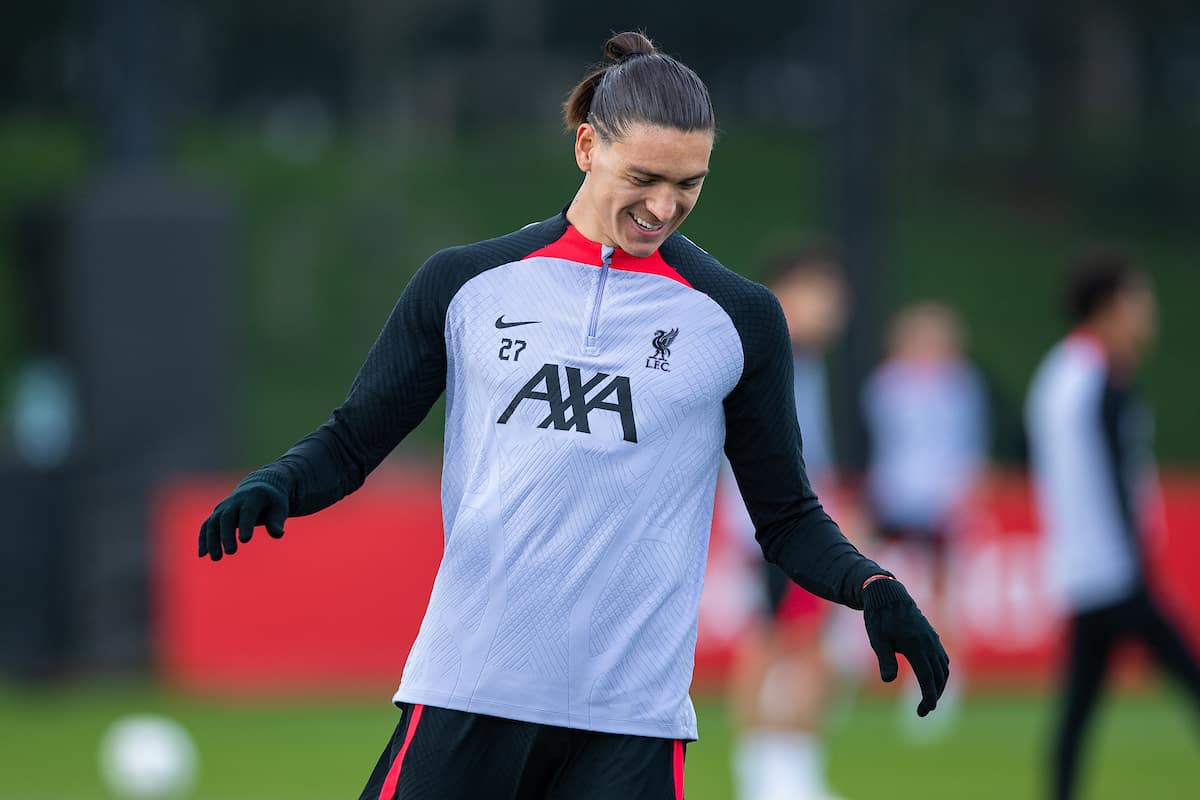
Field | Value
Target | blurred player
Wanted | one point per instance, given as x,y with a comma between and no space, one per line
1090,446
594,364
927,417
782,681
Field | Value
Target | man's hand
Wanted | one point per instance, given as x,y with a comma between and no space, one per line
896,625
248,506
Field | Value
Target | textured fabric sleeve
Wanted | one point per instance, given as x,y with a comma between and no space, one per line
402,377
762,442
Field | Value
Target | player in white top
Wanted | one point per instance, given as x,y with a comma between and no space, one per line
595,365
1089,440
927,415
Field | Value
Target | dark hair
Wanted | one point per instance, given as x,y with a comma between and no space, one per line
818,259
1095,279
641,85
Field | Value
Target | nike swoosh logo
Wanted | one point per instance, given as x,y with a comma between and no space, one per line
500,323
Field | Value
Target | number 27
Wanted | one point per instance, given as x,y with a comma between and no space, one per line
507,344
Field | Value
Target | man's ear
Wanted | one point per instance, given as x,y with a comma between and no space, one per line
586,141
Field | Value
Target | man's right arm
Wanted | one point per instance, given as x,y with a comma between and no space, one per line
402,377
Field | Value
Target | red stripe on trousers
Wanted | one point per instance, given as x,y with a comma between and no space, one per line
393,777
678,770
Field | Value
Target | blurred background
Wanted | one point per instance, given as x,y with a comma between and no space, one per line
208,209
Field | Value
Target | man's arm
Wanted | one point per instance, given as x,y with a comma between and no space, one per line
762,442
402,377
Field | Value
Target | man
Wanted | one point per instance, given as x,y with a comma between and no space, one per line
1090,447
925,408
594,365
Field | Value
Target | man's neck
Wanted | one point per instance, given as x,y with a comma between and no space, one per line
1122,363
580,215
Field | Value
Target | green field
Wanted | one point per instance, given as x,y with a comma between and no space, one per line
1144,746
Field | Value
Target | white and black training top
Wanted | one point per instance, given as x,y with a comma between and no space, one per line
589,395
1089,446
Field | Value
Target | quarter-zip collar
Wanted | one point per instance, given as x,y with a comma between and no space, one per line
575,247
592,343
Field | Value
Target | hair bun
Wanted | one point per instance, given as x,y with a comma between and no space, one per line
630,44
656,91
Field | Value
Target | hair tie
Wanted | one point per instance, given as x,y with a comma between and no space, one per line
630,56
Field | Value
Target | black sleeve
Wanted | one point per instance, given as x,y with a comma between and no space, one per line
762,442
402,377
1116,406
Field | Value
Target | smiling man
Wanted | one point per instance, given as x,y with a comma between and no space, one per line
638,188
595,365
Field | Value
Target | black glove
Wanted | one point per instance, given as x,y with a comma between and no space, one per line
896,625
252,503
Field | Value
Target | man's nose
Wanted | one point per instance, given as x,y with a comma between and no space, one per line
662,205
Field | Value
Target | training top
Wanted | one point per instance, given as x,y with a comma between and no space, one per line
928,425
1089,443
589,394
810,388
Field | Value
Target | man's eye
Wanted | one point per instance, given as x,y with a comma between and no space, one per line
689,184
640,181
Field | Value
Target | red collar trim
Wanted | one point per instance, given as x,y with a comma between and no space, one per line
1085,339
574,246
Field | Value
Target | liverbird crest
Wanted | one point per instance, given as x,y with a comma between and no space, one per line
662,342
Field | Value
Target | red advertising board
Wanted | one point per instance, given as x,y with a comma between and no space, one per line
336,603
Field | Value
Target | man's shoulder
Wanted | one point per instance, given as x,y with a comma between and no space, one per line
502,249
1069,378
736,293
447,270
1074,360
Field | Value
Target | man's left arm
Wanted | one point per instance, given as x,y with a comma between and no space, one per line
764,448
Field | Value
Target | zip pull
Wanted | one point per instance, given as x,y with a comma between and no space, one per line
606,255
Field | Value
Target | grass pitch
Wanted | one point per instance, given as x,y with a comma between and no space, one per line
1144,745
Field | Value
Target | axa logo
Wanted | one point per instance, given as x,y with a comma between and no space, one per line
662,349
601,392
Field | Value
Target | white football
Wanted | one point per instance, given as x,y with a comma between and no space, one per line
145,756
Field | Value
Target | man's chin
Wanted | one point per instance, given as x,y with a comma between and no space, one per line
642,249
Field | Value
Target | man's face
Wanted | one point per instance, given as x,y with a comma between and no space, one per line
1135,320
815,307
638,190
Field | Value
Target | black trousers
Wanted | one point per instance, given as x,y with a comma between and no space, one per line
440,754
1094,635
